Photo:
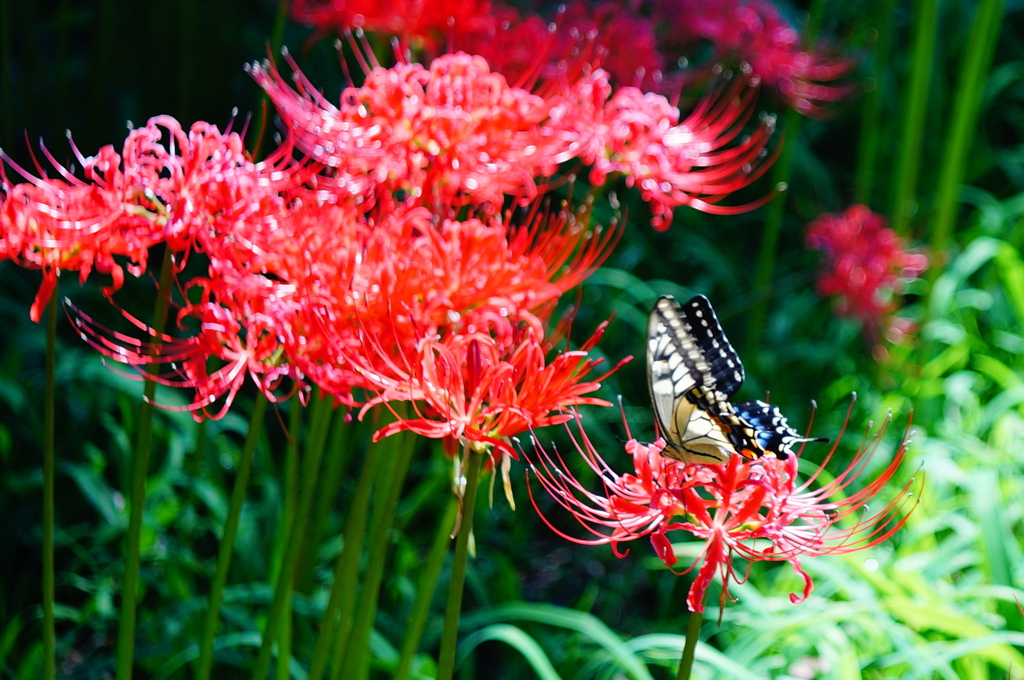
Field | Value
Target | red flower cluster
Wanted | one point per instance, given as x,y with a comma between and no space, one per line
660,34
392,248
456,133
866,265
754,509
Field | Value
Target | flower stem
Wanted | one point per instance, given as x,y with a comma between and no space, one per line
871,118
227,541
356,662
330,484
310,470
912,136
137,499
49,407
967,104
774,217
425,592
446,658
346,570
775,211
690,648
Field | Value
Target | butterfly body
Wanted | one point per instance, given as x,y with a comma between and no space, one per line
693,371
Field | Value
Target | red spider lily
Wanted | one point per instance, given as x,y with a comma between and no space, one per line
697,162
472,387
165,185
866,265
232,342
451,133
754,32
70,224
609,25
754,509
294,294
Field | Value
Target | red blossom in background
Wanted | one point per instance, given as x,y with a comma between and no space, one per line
753,31
866,265
425,24
754,509
662,37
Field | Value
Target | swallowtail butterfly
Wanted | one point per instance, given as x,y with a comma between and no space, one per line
692,373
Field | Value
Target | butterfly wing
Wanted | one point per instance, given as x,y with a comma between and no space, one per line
769,429
692,372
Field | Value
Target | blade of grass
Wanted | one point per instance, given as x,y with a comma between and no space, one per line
517,639
588,625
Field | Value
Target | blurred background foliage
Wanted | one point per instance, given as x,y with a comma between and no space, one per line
940,600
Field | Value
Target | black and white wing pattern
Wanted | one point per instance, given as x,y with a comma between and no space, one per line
771,431
692,373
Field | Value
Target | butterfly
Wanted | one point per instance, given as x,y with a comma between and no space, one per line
692,372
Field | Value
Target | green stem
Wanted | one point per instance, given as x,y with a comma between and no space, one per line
289,487
49,422
137,499
690,648
871,120
775,211
310,468
453,610
357,650
773,221
967,104
330,483
425,592
227,541
912,136
346,571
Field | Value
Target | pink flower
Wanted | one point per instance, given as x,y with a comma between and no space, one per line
754,509
866,265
